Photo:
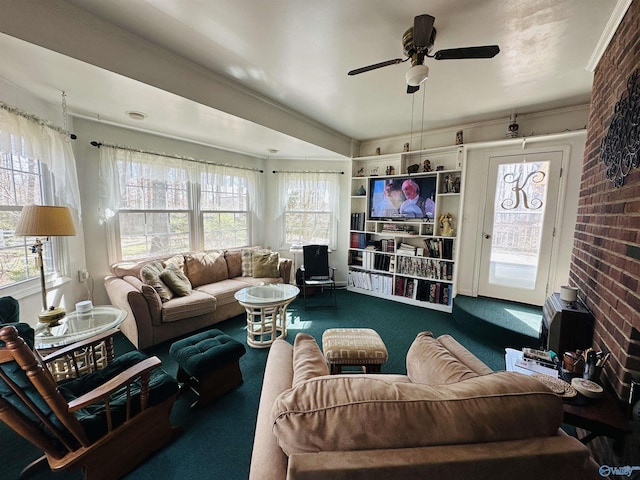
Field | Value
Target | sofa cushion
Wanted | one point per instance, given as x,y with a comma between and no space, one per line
176,280
150,274
180,308
234,262
430,363
335,413
205,267
223,291
308,361
265,264
247,260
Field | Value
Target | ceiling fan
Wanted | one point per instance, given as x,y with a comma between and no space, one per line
417,42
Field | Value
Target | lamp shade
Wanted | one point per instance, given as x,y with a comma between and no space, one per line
45,221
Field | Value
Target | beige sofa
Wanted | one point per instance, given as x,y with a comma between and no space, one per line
449,417
213,277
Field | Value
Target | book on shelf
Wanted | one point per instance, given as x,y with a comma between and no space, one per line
357,220
439,248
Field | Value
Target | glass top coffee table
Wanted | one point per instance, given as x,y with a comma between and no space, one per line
266,307
78,326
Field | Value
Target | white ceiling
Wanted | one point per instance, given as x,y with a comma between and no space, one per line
249,75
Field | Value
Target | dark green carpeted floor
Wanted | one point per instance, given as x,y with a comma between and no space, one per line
218,438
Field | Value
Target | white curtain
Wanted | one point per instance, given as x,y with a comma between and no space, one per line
112,179
51,147
225,175
319,190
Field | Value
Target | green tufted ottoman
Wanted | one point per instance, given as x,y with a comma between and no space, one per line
354,347
209,364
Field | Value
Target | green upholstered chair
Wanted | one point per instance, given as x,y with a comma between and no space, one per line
104,423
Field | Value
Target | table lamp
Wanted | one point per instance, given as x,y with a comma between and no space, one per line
45,221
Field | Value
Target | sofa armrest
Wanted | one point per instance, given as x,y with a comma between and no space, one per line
268,461
137,325
284,267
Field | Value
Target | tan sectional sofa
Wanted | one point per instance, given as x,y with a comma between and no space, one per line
449,417
213,277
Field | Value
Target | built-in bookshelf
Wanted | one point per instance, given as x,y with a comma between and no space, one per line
403,258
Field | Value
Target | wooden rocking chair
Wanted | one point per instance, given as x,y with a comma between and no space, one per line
105,422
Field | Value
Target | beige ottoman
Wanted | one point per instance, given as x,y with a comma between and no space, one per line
353,347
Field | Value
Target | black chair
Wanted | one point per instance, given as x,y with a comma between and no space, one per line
317,275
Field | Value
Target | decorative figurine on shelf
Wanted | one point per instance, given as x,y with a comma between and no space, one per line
439,168
374,171
378,152
413,168
360,172
391,170
459,138
448,184
446,225
426,166
405,148
362,191
456,185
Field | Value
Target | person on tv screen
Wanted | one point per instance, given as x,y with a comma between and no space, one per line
392,198
416,206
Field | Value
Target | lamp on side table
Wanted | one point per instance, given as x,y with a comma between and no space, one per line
45,221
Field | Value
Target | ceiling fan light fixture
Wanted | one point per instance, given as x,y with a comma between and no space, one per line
416,75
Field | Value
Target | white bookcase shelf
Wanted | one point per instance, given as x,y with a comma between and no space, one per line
408,260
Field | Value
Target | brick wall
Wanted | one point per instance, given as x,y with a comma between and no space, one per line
603,264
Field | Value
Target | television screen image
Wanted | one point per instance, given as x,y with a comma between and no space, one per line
402,198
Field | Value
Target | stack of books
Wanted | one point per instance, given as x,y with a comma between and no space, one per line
406,249
530,361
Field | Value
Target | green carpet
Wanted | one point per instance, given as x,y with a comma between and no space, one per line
218,438
505,323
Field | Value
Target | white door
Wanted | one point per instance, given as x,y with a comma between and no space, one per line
518,228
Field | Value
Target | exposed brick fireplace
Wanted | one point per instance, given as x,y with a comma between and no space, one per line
605,264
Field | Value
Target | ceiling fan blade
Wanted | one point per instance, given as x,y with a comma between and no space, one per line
411,89
486,51
422,28
395,61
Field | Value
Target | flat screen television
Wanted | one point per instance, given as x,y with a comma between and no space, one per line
400,198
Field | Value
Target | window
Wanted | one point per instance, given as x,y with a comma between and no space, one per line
310,207
224,203
155,210
165,205
21,183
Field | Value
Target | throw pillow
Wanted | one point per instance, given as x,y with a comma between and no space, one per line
176,260
203,268
234,262
247,260
308,361
150,274
265,265
176,280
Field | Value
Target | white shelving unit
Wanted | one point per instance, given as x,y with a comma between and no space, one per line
402,259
